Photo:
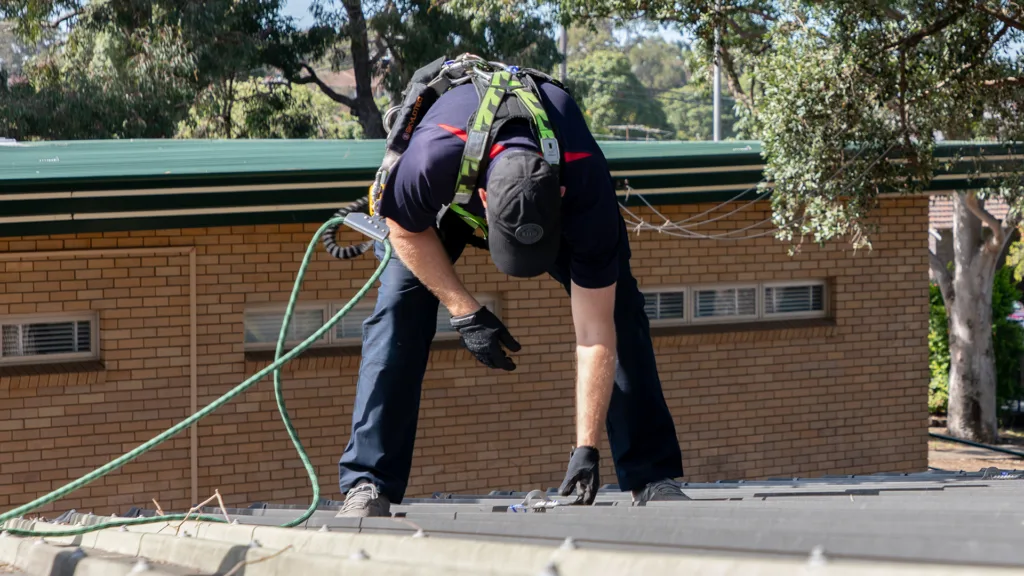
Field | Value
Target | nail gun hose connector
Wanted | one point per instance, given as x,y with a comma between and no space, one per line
372,226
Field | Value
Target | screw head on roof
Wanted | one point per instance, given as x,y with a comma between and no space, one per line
549,570
420,534
569,544
324,528
123,529
254,543
141,566
817,557
359,555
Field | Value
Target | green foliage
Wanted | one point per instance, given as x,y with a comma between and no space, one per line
415,33
610,94
1007,340
258,109
107,84
659,65
938,353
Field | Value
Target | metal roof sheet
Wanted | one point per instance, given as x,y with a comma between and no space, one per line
106,159
936,522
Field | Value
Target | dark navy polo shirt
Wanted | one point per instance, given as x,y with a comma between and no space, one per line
424,180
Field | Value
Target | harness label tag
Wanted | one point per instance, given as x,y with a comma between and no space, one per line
550,149
475,145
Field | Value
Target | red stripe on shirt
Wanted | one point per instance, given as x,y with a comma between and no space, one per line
498,148
456,131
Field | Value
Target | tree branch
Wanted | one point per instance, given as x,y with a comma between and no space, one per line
1003,17
314,79
995,40
916,38
998,236
942,276
999,82
732,79
63,18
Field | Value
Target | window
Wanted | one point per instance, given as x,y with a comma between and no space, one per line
796,300
45,339
262,325
736,303
665,305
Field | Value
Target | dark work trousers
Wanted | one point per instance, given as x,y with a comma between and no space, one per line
396,347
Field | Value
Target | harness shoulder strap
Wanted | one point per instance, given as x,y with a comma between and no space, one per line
479,136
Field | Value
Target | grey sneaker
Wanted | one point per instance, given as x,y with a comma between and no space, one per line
659,491
364,501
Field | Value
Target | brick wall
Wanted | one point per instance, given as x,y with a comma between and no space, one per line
794,400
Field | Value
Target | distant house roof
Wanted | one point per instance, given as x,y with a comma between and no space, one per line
940,211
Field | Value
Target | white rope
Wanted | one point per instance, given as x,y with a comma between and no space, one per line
676,229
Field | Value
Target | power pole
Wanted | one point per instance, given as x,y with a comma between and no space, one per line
565,49
717,77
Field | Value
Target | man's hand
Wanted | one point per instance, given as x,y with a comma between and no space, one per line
483,334
583,475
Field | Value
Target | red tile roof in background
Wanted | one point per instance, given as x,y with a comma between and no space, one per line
940,211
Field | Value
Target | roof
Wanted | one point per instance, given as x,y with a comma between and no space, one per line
940,211
925,523
116,185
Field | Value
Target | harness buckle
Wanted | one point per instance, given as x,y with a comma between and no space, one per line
549,146
475,142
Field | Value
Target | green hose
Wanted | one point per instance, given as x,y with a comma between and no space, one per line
275,367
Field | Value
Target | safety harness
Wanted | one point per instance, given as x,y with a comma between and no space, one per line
506,93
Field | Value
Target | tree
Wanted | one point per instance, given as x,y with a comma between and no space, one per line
659,65
130,69
393,40
609,94
847,89
259,108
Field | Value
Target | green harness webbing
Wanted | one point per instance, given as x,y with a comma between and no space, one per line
481,134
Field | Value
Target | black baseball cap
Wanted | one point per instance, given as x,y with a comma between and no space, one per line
524,213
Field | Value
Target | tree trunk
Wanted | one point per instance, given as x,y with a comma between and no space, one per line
972,375
365,108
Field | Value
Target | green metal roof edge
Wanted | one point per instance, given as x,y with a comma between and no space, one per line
135,162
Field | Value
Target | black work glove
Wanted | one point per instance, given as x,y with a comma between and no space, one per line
582,475
483,334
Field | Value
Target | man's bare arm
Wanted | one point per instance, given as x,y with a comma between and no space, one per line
426,258
593,312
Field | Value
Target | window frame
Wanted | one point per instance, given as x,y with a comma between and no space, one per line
760,315
331,307
54,318
823,313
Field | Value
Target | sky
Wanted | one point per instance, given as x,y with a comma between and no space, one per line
299,9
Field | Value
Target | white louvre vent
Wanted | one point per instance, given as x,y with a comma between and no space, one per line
725,303
665,305
794,300
28,340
